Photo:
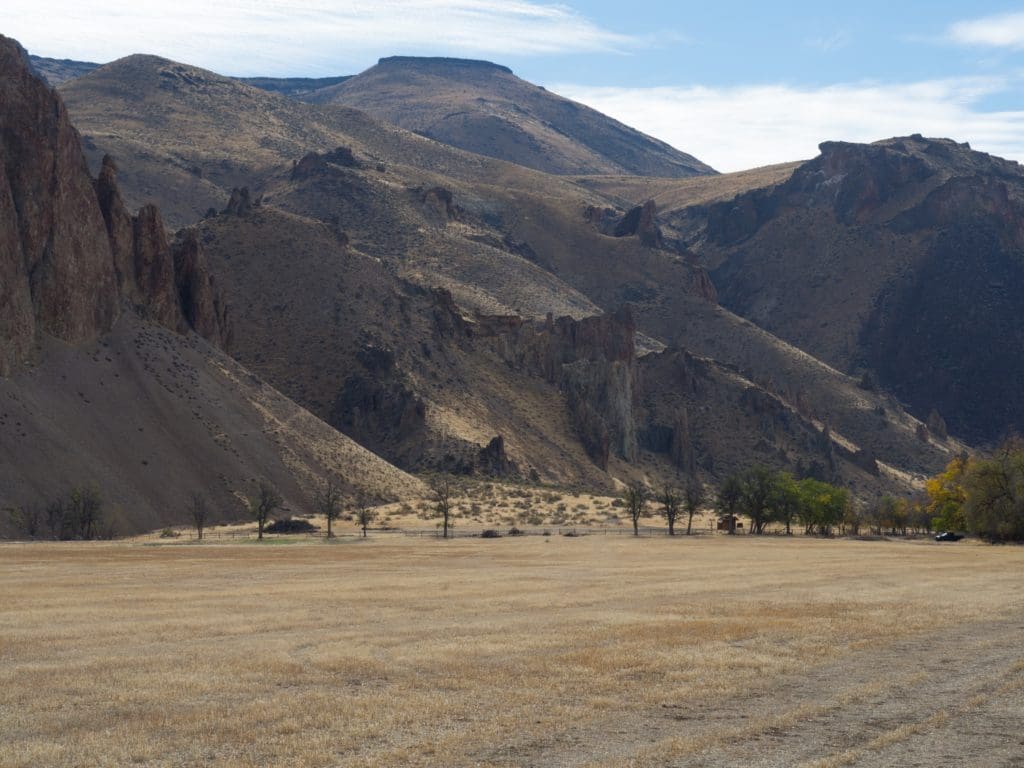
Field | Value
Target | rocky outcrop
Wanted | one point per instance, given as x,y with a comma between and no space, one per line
202,307
240,203
120,229
937,425
154,269
641,222
69,251
592,361
167,284
313,163
56,273
375,409
439,204
492,459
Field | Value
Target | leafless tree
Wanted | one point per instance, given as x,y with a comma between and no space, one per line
56,514
670,507
441,492
199,511
263,504
328,504
636,503
365,514
86,511
28,520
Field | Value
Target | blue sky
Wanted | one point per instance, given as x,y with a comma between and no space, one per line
738,84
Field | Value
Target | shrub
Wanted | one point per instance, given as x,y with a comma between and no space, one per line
490,533
291,525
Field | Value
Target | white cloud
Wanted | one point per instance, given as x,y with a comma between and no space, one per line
830,43
1001,31
743,127
301,36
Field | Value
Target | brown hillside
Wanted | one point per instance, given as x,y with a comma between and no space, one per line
484,108
151,417
503,239
104,374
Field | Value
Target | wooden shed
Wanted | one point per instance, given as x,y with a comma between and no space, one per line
729,523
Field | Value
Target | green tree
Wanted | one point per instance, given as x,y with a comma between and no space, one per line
994,488
635,498
785,499
729,499
757,486
823,506
670,507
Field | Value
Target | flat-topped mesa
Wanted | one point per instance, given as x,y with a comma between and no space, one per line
69,250
438,63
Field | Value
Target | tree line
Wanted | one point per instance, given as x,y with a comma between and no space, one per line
762,496
983,496
80,515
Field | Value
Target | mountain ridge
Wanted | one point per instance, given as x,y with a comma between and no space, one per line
484,108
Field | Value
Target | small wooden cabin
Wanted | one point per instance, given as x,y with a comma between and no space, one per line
729,523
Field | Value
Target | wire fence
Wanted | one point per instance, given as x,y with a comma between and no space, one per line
454,532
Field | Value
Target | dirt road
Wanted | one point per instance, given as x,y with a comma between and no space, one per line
951,698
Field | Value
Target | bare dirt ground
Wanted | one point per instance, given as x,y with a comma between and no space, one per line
590,651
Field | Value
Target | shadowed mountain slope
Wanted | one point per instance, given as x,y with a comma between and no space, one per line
107,371
57,71
485,108
903,258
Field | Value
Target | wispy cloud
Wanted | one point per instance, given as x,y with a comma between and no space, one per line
749,126
1000,31
830,43
293,36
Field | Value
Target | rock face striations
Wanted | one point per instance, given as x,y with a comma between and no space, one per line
69,251
56,274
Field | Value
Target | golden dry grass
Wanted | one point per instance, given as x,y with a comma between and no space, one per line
395,651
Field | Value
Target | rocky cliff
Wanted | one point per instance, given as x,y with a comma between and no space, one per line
69,251
592,361
904,258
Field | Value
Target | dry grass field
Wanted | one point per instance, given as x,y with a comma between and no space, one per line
590,651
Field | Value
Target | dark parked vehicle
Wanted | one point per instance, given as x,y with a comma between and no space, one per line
948,536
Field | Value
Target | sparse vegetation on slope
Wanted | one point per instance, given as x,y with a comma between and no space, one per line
484,108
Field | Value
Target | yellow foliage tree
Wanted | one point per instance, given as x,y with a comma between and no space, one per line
946,496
